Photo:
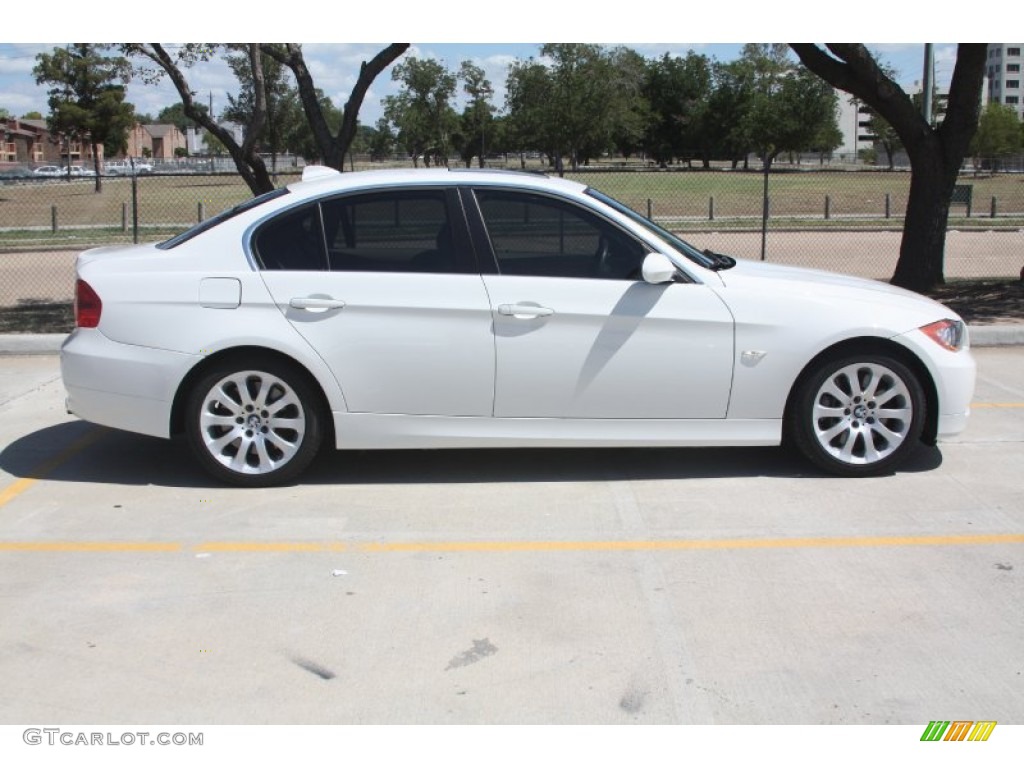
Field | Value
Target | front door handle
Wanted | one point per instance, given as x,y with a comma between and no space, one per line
314,303
524,311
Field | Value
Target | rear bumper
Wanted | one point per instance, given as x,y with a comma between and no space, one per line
121,385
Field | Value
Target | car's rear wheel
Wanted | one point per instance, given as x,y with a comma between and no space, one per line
254,426
858,415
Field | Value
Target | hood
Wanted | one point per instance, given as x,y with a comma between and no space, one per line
773,295
787,280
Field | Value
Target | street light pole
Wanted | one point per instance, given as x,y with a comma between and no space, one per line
926,79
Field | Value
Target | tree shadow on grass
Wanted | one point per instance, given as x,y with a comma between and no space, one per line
38,316
983,301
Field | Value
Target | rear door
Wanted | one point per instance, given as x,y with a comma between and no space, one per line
384,285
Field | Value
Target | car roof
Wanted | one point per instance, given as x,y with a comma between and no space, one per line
318,180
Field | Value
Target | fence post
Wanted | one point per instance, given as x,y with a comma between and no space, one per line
888,205
201,212
828,206
124,217
650,209
711,208
993,214
53,218
135,206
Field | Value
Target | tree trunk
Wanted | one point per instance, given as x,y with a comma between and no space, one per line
920,266
98,187
936,153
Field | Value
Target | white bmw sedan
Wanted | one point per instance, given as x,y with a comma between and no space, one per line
448,309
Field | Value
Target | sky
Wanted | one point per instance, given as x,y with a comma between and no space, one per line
335,65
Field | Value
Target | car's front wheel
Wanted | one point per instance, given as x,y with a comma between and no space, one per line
858,415
254,426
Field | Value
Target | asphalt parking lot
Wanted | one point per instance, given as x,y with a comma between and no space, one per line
537,586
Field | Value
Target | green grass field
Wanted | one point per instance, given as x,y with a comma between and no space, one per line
679,199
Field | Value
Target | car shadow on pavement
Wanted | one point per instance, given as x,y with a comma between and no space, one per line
82,453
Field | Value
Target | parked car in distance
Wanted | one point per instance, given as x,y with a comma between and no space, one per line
467,309
50,171
16,173
128,167
82,172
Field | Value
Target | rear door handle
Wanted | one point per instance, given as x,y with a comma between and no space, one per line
316,303
524,311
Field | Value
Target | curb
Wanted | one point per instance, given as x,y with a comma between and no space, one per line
23,344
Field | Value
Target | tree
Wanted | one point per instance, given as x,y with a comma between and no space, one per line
791,110
33,115
87,98
936,152
245,155
175,115
999,135
528,93
422,112
331,146
579,102
731,96
382,143
678,90
280,102
478,114
332,140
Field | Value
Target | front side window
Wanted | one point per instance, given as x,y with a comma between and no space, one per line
535,235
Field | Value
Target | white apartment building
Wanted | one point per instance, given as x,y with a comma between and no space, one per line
1004,75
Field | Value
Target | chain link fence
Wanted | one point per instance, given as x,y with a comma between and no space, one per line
843,221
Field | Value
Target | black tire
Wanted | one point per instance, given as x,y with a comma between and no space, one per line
254,425
858,415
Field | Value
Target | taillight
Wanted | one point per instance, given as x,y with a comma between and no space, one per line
88,306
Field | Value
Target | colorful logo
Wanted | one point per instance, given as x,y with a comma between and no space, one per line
958,730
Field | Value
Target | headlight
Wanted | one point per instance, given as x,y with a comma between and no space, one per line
948,334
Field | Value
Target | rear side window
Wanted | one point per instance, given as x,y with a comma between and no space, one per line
292,241
394,231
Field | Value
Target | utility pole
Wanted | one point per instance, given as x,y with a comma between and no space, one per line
927,79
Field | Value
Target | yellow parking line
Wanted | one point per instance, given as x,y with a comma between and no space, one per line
517,546
39,472
997,405
89,546
260,546
691,544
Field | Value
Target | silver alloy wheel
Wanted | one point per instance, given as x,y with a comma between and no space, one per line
252,422
862,413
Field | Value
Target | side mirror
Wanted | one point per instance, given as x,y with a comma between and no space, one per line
658,268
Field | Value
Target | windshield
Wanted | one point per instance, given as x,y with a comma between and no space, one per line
683,247
223,216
